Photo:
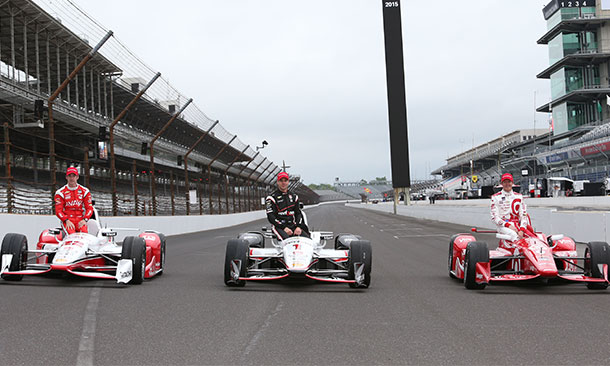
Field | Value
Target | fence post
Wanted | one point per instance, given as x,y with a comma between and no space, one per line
134,179
86,167
7,162
199,195
171,189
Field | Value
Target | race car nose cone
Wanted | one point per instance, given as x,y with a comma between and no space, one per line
549,272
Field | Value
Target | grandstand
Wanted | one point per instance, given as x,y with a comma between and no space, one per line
327,195
582,153
356,190
141,146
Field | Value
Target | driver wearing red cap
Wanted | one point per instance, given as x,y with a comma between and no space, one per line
73,204
284,212
508,211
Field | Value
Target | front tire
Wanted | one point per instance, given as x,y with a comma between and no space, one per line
450,260
236,262
134,248
597,253
476,252
17,245
360,263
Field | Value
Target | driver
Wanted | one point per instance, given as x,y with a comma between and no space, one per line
73,204
283,211
508,210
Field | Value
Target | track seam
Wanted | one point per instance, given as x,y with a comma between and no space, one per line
87,339
261,331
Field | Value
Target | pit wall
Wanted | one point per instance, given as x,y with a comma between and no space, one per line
32,225
582,226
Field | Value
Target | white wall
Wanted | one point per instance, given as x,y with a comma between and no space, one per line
582,226
32,225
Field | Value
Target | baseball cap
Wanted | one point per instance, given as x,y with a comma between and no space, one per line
72,170
506,176
283,175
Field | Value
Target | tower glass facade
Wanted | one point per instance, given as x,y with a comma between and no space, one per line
572,109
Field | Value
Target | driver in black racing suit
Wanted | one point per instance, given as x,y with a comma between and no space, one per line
283,211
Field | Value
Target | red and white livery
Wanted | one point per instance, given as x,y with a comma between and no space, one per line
533,257
93,254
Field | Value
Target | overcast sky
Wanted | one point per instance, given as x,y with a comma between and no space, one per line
308,76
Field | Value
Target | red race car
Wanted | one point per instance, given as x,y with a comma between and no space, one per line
94,254
535,256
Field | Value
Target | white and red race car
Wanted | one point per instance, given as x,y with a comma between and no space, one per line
535,256
94,254
247,259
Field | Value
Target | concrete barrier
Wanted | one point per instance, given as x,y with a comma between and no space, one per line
32,225
582,226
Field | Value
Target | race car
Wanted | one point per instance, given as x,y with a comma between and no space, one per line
95,254
247,258
534,257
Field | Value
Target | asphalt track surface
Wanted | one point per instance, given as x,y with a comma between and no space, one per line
413,313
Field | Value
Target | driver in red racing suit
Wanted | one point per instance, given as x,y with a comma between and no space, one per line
73,204
508,212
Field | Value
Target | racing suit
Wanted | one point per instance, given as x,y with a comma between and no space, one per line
73,204
508,210
283,211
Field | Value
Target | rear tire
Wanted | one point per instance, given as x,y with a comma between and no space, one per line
17,245
476,252
134,248
360,252
236,254
597,253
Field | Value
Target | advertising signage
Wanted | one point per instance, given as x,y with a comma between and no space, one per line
555,5
595,149
557,157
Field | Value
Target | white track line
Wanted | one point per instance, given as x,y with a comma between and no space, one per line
87,339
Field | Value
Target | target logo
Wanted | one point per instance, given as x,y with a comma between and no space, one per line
516,206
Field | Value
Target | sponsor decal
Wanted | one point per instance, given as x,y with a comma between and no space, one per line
148,237
126,274
516,206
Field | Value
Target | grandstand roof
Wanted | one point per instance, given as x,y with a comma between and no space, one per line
52,28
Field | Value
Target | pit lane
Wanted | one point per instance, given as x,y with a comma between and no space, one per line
412,314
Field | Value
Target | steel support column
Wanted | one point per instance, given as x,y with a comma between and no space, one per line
226,178
171,190
152,155
239,175
50,103
210,174
86,168
134,179
257,191
115,203
186,170
248,178
7,169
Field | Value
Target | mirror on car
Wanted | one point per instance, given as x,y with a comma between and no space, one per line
109,233
301,205
264,229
